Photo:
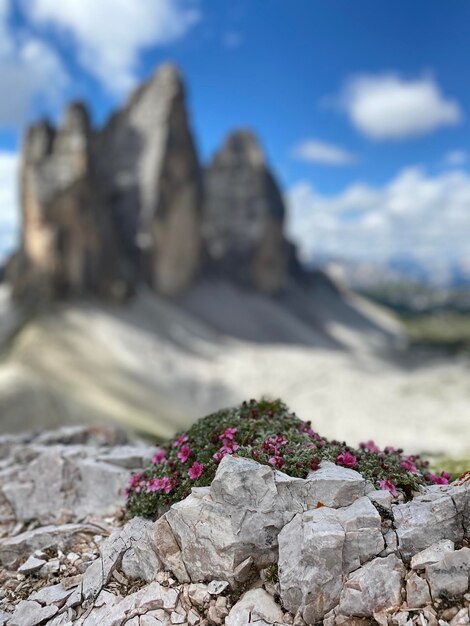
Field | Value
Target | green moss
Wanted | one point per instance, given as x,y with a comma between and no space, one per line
268,432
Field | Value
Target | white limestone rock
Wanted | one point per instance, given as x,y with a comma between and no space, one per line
31,565
311,564
335,486
450,575
382,498
255,606
425,520
364,540
318,548
136,532
54,595
417,591
372,588
14,550
433,554
29,613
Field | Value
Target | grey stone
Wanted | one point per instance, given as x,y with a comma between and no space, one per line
141,561
462,618
129,457
372,588
135,532
433,554
216,587
55,594
31,565
364,540
13,550
220,533
335,486
425,520
450,575
31,614
382,498
391,543
417,591
168,549
317,549
255,606
311,564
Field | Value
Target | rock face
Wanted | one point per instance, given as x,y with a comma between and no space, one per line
101,209
104,210
254,547
147,161
68,243
244,215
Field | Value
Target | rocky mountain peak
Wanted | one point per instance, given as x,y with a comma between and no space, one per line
132,197
243,221
240,149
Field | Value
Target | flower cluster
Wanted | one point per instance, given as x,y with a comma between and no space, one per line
269,433
229,444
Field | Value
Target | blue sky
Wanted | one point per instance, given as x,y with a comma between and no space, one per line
362,106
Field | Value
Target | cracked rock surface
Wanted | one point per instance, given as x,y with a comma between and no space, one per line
255,547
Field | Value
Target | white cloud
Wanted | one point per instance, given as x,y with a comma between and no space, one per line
390,107
413,214
9,212
456,157
315,151
31,73
111,34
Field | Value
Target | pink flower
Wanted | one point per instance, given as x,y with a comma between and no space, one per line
346,459
184,453
159,456
229,447
167,484
196,469
388,485
135,483
154,484
308,430
218,456
159,484
370,446
273,444
229,433
178,442
276,461
409,465
442,479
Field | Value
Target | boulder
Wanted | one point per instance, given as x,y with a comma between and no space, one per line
319,548
417,591
311,564
433,554
372,588
335,486
425,520
450,575
135,536
255,607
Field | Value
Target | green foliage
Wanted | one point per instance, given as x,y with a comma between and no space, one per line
272,573
271,434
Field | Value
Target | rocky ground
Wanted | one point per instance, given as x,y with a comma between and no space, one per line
255,547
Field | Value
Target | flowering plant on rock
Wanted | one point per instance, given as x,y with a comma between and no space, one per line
268,432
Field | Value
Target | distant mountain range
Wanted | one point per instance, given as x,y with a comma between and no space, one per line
404,283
